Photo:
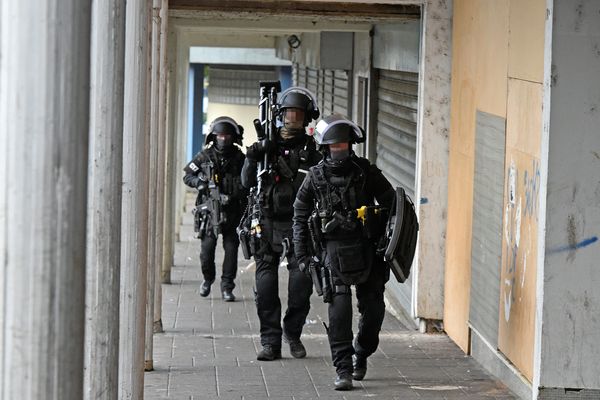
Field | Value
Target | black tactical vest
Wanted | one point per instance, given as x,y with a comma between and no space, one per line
349,255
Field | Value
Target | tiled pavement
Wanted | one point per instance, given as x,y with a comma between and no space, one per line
208,350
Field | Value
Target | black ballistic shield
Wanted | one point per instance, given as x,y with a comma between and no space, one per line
401,236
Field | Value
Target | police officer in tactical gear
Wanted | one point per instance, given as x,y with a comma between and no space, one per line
215,172
333,192
291,156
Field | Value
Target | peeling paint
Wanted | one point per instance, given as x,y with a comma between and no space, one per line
512,179
518,225
507,303
520,214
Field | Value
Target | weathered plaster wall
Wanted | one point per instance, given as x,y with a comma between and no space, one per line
432,157
571,309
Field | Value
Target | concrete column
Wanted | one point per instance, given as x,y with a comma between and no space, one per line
181,156
171,140
152,195
134,232
161,160
44,115
104,200
431,195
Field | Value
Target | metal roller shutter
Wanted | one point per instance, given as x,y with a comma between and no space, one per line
327,99
396,144
237,85
397,127
332,88
341,93
312,80
295,72
488,206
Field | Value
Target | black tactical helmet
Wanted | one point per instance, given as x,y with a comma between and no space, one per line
298,97
337,129
226,125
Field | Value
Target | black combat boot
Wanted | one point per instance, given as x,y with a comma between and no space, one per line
297,349
269,353
228,295
205,288
360,367
343,381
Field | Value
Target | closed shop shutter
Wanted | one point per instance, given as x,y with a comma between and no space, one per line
300,75
396,144
341,91
327,99
397,127
486,246
237,85
332,88
312,80
336,92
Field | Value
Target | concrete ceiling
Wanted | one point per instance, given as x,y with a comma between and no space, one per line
256,24
311,8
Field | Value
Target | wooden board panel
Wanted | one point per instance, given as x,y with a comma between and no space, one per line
517,301
491,48
527,31
458,251
457,276
479,81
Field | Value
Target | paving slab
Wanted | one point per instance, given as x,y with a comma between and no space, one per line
209,346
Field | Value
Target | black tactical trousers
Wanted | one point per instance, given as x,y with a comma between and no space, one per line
372,310
268,304
207,257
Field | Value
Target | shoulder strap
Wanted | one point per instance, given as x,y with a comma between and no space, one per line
318,173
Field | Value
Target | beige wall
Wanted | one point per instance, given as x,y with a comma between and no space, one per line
243,115
497,68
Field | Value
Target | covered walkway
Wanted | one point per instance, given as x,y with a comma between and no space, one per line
209,348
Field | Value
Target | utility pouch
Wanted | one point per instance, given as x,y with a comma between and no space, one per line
245,243
282,199
351,261
200,221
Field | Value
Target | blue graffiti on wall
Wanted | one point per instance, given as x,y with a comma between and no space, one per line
583,243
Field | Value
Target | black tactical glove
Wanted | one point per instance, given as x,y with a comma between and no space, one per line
258,149
304,265
200,184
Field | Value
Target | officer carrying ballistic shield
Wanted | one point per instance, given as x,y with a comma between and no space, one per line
336,203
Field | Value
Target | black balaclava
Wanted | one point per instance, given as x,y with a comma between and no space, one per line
223,143
226,144
338,162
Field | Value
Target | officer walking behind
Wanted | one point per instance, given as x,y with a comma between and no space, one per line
215,172
289,155
329,233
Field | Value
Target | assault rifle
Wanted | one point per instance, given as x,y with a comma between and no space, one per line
319,273
211,210
265,129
